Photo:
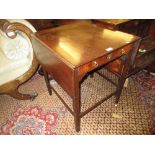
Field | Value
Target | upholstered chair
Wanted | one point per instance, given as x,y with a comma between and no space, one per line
17,60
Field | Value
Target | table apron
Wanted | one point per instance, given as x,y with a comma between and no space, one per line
104,60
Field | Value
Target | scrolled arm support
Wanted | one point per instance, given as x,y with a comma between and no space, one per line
10,28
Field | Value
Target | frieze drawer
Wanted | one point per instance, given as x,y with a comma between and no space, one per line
105,59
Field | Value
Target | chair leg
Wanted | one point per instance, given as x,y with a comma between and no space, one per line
16,94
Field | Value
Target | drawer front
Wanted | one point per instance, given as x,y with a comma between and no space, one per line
103,60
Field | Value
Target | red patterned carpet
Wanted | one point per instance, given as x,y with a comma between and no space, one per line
32,121
146,87
47,115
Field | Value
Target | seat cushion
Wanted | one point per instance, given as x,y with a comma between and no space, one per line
17,48
12,69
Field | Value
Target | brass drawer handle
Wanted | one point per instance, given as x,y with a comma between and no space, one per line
95,64
109,56
123,51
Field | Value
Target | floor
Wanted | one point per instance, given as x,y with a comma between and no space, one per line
47,115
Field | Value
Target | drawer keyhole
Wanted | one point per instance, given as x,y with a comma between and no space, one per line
123,51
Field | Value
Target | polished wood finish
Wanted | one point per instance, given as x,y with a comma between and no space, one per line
144,58
113,24
70,52
138,27
78,44
41,24
11,88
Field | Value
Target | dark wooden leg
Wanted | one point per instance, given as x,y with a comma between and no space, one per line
77,119
130,58
77,105
121,82
47,81
92,75
147,73
16,94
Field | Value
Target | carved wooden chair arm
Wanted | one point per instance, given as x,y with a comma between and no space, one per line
10,28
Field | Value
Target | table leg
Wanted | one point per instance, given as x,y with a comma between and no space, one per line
121,82
47,80
130,58
77,106
77,119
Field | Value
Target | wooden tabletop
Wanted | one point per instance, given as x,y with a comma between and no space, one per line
114,21
81,43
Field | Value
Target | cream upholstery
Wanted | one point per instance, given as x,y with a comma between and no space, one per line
11,69
16,54
16,48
